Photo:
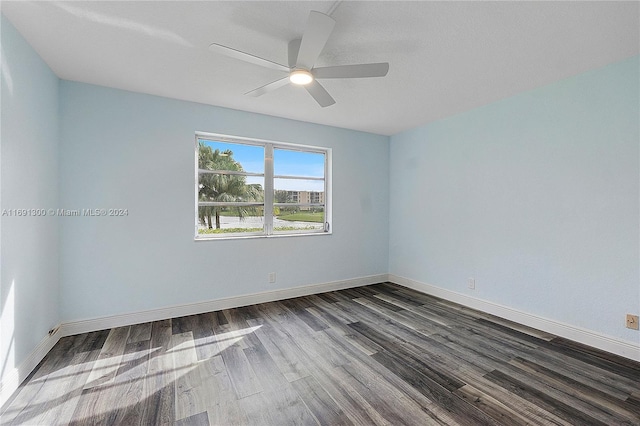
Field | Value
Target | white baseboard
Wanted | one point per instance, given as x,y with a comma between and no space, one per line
587,337
103,323
12,380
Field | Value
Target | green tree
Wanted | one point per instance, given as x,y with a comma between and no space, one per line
282,196
222,187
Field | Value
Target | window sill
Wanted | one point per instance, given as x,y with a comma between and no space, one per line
247,237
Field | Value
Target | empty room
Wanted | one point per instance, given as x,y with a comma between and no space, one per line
320,213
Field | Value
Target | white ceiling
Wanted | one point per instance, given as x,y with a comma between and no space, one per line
445,57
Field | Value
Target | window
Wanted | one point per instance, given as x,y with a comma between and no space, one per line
252,188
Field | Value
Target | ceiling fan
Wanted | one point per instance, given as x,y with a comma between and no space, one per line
303,54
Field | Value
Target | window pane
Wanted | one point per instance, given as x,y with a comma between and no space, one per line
230,188
287,219
215,155
230,219
296,163
234,176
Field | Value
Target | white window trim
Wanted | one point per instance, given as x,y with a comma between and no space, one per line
269,176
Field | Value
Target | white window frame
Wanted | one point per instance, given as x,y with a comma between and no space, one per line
269,179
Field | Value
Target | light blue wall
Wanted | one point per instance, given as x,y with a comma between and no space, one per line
126,150
29,179
535,196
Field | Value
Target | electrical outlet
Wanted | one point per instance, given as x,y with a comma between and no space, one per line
272,277
632,321
471,282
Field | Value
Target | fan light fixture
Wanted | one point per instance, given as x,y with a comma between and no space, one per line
300,77
303,53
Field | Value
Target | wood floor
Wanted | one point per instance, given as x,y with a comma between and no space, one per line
380,354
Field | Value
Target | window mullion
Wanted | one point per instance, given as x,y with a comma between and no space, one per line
268,189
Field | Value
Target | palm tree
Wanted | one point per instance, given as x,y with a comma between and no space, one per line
222,187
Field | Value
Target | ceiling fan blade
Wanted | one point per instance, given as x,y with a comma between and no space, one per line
294,48
319,93
352,71
319,28
269,87
243,56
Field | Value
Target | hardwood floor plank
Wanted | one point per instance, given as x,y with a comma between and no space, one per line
350,294
634,399
497,320
433,317
369,363
186,375
106,367
591,357
238,326
322,406
393,329
492,351
244,379
328,297
200,419
183,324
312,344
600,400
534,382
118,401
391,404
374,355
612,359
377,301
221,319
217,394
396,297
510,333
204,336
336,314
386,287
159,407
140,332
270,408
522,407
278,403
458,409
280,350
128,389
57,397
491,406
353,404
585,373
405,317
300,310
95,403
548,403
462,366
357,340
266,369
25,399
407,357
